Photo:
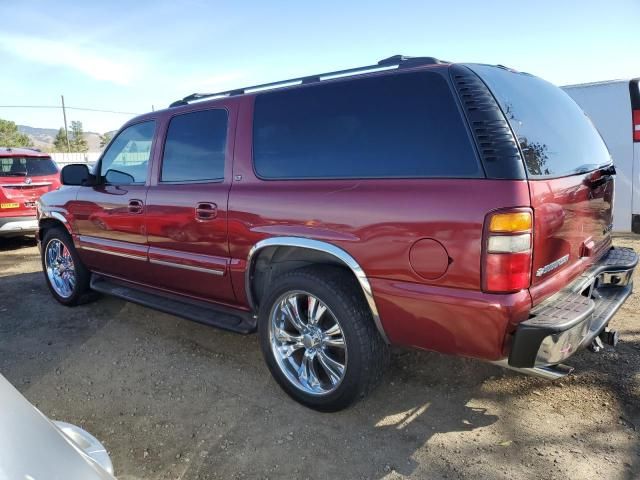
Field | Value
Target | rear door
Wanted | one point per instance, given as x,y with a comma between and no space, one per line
110,217
187,204
569,171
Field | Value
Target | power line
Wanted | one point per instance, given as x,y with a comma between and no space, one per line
70,108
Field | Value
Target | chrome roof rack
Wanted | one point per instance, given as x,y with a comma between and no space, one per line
396,61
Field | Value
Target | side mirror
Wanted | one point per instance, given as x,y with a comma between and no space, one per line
76,174
116,177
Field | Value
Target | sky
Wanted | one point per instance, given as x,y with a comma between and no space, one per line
134,56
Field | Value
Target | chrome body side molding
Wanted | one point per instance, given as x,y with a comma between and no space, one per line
187,267
114,253
59,216
325,247
52,215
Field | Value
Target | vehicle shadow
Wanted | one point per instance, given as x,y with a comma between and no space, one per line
17,243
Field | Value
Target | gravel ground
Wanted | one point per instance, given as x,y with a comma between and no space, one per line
172,399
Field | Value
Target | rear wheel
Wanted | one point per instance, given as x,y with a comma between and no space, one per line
318,338
66,275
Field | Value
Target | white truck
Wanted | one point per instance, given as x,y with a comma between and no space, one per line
614,108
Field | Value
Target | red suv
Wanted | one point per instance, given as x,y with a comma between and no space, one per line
25,174
459,208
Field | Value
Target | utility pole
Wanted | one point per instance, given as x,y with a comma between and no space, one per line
66,130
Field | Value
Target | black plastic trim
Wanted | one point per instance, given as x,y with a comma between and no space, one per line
217,316
404,61
634,93
496,144
635,223
400,61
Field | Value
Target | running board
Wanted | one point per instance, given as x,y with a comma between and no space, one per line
552,372
213,315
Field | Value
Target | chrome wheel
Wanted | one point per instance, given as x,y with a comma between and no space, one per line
60,268
308,343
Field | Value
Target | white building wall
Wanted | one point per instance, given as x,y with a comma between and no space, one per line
63,159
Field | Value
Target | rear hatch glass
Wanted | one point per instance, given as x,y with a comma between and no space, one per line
27,167
568,166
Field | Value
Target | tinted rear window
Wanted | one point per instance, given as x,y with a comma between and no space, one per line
556,137
405,125
195,147
27,167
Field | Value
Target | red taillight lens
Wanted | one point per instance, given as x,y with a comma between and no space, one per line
507,251
636,125
508,272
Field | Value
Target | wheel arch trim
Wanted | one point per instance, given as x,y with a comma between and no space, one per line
317,245
53,215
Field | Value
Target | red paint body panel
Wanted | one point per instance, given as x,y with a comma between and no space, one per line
102,216
449,320
569,216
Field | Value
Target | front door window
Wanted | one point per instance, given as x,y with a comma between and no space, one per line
126,161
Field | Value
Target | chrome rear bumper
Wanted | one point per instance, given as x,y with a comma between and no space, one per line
572,318
11,226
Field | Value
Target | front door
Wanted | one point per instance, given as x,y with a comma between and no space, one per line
187,205
110,217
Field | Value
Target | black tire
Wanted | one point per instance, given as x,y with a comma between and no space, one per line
368,354
81,292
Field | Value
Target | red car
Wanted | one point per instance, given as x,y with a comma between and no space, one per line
25,174
460,208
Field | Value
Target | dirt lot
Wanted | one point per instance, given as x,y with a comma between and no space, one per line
177,400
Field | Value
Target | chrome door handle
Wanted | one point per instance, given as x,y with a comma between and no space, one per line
136,206
206,211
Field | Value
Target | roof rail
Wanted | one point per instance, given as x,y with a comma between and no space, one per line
396,61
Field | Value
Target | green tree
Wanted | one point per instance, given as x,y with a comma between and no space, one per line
11,137
105,139
76,138
60,143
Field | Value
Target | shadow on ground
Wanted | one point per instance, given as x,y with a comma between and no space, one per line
16,243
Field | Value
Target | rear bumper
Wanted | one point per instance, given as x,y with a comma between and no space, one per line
12,226
573,317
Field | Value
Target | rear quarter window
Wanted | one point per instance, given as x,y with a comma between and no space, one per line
395,126
556,137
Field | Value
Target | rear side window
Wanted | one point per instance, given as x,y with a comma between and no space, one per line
405,125
556,137
195,147
27,167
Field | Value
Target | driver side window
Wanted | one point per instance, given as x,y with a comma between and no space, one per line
127,159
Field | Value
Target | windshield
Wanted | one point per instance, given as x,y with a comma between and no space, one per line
27,166
557,139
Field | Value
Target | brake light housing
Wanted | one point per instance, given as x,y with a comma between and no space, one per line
636,125
507,250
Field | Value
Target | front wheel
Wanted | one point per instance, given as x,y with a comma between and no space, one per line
318,338
66,275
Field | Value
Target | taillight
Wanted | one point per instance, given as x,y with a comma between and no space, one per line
507,251
636,125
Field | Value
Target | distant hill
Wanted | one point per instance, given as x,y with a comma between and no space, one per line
43,138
